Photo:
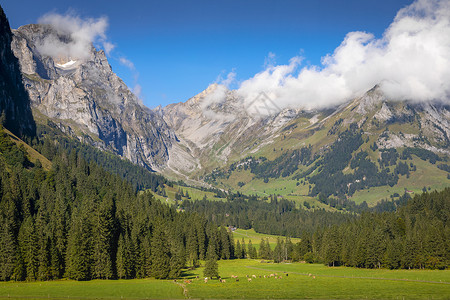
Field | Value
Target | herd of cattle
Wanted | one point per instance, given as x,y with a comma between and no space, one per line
248,277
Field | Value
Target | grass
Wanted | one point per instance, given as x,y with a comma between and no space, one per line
335,283
324,283
251,235
95,289
426,175
33,155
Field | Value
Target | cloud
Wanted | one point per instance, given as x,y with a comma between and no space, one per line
411,61
270,60
108,47
127,63
73,36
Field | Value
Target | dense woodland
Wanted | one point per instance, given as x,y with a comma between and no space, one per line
81,222
271,216
53,142
416,235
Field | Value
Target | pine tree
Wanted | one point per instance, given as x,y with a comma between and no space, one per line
103,239
160,256
251,250
225,243
9,256
192,248
244,249
28,246
79,246
211,266
238,250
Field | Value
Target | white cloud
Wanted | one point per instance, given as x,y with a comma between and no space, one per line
410,62
127,63
81,33
108,46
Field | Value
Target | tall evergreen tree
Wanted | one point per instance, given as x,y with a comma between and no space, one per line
211,266
160,254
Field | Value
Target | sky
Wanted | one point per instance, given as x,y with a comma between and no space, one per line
169,51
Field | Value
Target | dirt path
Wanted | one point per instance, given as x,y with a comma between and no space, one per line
354,277
185,290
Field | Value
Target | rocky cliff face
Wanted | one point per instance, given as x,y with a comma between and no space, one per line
14,102
214,130
88,100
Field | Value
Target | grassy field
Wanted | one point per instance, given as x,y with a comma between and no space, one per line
324,282
95,289
251,235
298,281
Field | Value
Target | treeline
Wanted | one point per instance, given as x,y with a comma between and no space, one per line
81,222
51,141
270,216
415,236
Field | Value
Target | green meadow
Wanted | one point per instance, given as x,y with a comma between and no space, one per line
298,280
255,237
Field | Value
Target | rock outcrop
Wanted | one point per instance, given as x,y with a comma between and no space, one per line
14,102
88,100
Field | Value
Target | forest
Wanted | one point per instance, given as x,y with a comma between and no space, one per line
81,222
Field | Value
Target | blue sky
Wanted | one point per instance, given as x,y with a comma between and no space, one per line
178,48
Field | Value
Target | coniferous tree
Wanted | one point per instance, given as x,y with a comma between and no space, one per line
238,249
79,246
103,239
160,254
9,256
211,266
28,246
243,249
225,243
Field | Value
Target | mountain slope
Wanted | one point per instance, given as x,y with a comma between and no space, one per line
14,104
88,100
367,144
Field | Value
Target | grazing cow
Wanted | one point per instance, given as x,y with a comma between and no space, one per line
246,276
279,277
254,276
249,279
206,279
276,277
174,280
287,274
271,275
223,281
264,276
309,274
237,279
259,276
196,277
314,277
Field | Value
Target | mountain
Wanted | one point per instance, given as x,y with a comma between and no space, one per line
213,131
87,100
366,149
14,103
370,144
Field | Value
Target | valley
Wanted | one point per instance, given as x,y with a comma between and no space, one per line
328,182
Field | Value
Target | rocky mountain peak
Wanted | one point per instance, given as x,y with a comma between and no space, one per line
78,90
